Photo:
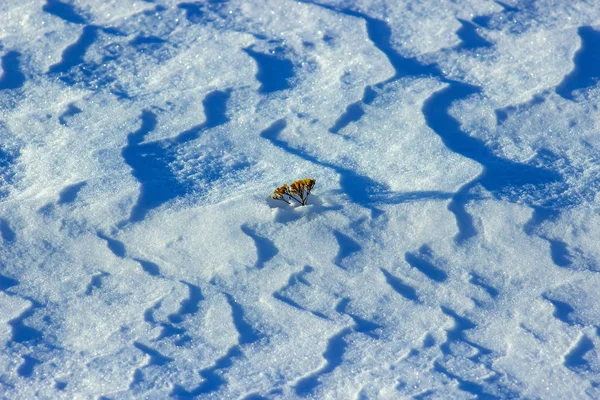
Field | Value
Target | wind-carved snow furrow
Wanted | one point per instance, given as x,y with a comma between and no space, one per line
296,279
559,250
6,283
73,69
336,346
167,329
63,11
505,7
7,173
428,341
464,220
422,261
470,387
347,247
69,193
585,72
149,313
115,246
119,250
538,217
360,325
7,232
380,34
194,12
71,111
198,12
148,267
148,44
150,161
212,380
354,112
136,379
95,283
265,248
498,175
215,111
505,16
335,350
60,385
574,359
469,37
143,42
479,281
26,368
135,156
74,54
562,310
154,357
436,111
246,333
21,333
400,287
333,356
274,71
285,299
12,77
360,189
457,333
188,306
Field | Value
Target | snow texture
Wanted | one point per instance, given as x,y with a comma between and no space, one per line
450,248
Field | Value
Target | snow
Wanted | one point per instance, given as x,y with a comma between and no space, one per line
449,248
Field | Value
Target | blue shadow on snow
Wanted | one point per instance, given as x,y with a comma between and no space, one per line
188,306
470,37
12,77
421,262
69,193
63,11
347,247
265,248
586,72
575,358
25,370
73,54
72,110
150,162
274,71
7,233
297,278
400,287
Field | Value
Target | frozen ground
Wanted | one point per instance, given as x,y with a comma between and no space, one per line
450,250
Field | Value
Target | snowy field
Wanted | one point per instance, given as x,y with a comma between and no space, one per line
450,248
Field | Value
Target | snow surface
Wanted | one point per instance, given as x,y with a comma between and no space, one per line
450,248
